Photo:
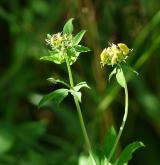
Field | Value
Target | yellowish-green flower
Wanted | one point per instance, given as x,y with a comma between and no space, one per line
124,48
64,46
59,41
114,54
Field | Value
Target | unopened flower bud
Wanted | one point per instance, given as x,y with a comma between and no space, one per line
124,48
103,56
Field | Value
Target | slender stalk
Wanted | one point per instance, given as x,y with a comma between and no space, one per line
122,125
82,124
80,115
69,73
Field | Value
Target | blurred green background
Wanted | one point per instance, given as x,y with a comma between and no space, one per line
52,135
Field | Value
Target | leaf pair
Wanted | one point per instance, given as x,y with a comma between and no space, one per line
58,95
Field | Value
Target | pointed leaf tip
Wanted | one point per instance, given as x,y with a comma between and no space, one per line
81,48
126,155
68,27
120,77
81,85
78,37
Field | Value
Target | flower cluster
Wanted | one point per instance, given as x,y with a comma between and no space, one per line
59,42
114,54
64,46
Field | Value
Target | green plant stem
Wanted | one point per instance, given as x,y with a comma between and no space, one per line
122,125
80,115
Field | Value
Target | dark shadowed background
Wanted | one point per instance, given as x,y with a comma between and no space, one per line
52,135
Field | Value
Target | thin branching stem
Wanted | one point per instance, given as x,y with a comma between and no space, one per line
80,114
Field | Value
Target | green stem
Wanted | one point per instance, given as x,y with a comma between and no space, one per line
70,73
122,125
82,124
80,114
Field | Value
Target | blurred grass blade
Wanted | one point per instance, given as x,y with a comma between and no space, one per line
145,32
109,142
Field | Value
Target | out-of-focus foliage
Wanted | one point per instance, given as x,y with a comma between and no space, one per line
52,135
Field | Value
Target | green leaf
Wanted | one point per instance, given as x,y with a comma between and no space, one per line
128,151
78,37
80,48
109,140
130,69
80,85
68,27
112,73
55,81
120,77
76,94
55,57
72,55
57,96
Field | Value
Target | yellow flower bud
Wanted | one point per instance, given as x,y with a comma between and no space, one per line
114,60
103,56
124,48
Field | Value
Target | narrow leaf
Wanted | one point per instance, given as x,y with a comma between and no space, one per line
80,48
78,37
68,27
76,94
55,81
57,96
120,78
80,85
128,151
72,55
112,73
109,140
130,69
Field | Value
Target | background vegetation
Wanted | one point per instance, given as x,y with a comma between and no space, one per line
52,135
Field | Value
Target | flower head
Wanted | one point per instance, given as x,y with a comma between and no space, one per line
114,54
64,46
60,41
